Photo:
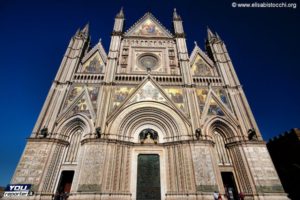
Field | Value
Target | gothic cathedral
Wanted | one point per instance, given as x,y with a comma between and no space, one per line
147,121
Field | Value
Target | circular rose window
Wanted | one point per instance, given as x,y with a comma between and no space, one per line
148,61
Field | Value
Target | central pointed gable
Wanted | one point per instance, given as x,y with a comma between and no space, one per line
148,26
148,92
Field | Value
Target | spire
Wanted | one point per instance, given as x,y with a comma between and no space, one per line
120,14
77,31
217,35
175,15
210,34
86,29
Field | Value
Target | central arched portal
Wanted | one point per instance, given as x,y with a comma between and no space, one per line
149,125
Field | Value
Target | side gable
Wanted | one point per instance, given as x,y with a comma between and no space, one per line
215,106
94,61
201,64
199,51
148,26
98,47
82,104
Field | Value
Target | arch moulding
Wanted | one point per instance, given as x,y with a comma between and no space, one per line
136,117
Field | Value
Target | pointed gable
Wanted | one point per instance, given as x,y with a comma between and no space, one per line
94,61
214,102
148,92
80,100
148,26
201,64
80,106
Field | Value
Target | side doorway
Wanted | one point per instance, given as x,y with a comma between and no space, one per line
64,185
229,185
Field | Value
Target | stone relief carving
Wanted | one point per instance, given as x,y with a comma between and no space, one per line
92,168
32,164
203,166
262,168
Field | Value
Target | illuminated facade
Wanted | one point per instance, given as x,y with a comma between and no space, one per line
147,121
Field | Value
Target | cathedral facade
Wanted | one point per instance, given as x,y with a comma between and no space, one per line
147,121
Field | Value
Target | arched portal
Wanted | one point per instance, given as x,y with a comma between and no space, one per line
222,133
72,131
160,124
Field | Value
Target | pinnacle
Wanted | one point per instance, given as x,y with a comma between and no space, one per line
86,29
175,15
210,34
121,13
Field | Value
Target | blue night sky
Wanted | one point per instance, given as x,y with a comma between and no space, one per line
263,44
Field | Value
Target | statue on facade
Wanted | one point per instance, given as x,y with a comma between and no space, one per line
148,136
44,132
198,133
252,134
98,132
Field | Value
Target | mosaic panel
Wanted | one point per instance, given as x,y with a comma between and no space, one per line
176,95
119,95
202,95
80,107
200,67
148,28
93,93
214,108
76,91
148,92
73,93
223,96
93,65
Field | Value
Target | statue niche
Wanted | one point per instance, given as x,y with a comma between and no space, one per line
148,136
